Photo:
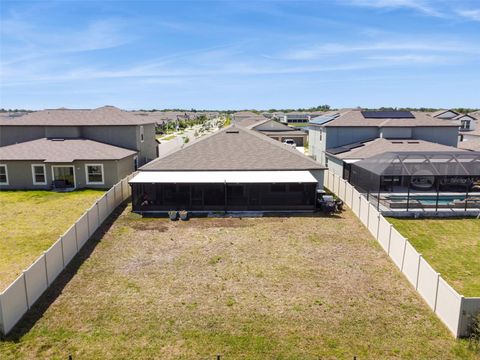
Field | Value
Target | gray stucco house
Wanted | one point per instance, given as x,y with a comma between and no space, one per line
73,148
349,127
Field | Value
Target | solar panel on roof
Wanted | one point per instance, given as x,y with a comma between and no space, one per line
392,114
345,148
319,120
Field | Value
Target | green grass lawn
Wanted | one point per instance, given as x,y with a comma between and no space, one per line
31,221
451,246
254,288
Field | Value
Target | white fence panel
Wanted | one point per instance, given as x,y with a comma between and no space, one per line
54,259
373,220
427,283
92,214
14,303
82,230
348,195
449,304
110,201
341,190
384,233
356,202
364,210
410,263
125,187
397,247
36,280
117,190
69,242
335,183
102,208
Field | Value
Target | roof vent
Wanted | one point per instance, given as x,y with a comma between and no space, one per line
232,131
397,142
57,139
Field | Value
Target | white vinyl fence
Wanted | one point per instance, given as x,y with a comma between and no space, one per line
22,294
453,309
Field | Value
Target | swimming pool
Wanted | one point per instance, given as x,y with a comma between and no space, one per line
427,199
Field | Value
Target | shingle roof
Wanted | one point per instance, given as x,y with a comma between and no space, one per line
472,145
271,125
63,150
355,118
249,121
106,115
234,148
377,146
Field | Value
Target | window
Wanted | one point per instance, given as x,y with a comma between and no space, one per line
94,174
3,175
465,125
320,133
38,174
141,133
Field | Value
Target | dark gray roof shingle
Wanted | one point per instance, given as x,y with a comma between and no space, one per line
63,150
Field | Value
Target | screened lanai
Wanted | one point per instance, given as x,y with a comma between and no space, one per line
420,181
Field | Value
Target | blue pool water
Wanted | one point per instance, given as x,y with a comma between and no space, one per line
428,199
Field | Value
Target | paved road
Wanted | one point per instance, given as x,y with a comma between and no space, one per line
169,146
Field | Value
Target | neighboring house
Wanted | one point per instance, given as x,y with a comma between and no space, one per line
340,159
235,169
63,163
281,132
339,128
466,122
108,125
247,118
296,118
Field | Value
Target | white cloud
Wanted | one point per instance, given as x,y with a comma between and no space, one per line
422,6
470,14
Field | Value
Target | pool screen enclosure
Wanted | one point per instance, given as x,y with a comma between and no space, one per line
409,180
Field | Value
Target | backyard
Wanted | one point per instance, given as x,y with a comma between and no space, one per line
451,246
31,221
252,288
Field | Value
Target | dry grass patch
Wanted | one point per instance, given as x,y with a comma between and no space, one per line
261,288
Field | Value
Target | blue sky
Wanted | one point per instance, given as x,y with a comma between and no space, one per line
240,54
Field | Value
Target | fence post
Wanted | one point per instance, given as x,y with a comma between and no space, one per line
63,257
459,324
25,287
2,317
351,202
345,190
114,198
121,188
76,237
378,226
359,206
46,266
404,250
88,223
436,293
418,270
98,214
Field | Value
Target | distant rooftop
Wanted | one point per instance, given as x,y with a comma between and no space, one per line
352,118
63,150
106,115
369,148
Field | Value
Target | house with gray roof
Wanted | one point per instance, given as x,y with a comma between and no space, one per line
466,122
341,158
73,148
234,169
279,131
340,128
